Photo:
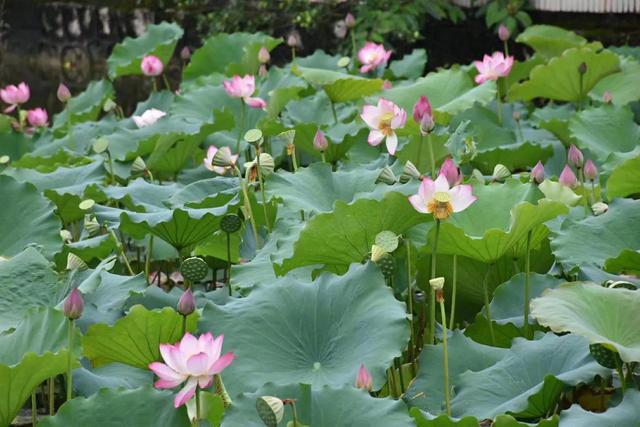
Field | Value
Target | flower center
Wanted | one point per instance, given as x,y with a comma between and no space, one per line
385,124
440,205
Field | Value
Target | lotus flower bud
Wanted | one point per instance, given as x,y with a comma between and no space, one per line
364,379
517,116
186,303
320,142
451,171
185,53
607,98
158,277
350,21
270,410
590,170
537,173
73,305
37,117
575,156
151,66
500,173
387,176
599,208
409,172
263,55
582,68
568,178
63,93
437,283
294,40
421,108
377,253
503,32
477,176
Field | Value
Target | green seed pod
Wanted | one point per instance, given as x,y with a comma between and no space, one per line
267,164
194,269
388,240
230,223
270,410
86,204
500,173
91,224
387,176
387,265
74,262
377,253
409,172
254,137
138,165
607,358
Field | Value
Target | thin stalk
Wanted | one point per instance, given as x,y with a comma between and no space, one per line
506,48
333,111
432,157
432,295
593,191
221,390
445,354
34,409
324,159
623,381
391,382
585,203
112,177
353,46
241,129
184,325
147,261
69,360
412,342
52,395
166,82
264,198
247,204
155,85
499,107
420,149
398,362
70,131
294,160
527,278
296,423
485,287
454,291
123,254
581,96
293,54
197,405
228,264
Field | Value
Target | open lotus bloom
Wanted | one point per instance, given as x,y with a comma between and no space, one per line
243,87
493,67
440,200
148,118
211,153
15,95
383,120
372,55
194,360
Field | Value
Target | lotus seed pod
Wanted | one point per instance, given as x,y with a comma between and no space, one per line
91,224
604,356
254,137
599,208
270,410
4,160
344,62
477,175
377,253
437,283
387,240
194,269
409,172
500,173
138,165
223,158
387,176
230,223
109,105
74,262
267,164
387,265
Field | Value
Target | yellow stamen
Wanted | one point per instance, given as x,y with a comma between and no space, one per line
440,206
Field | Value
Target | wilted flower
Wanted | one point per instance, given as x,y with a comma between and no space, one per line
73,305
364,379
451,171
537,173
320,142
243,87
151,66
15,95
383,120
590,170
440,200
194,360
493,67
350,20
148,118
567,177
372,56
263,55
225,154
575,156
37,117
63,93
503,33
186,303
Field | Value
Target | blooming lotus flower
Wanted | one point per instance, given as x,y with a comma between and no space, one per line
441,200
15,95
63,93
211,153
451,171
567,177
194,360
371,56
590,170
383,120
575,156
364,379
320,142
537,173
151,66
243,87
493,67
148,118
37,117
73,305
503,33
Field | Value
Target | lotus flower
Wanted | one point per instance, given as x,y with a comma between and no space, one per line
151,66
15,95
364,379
148,118
243,87
575,156
263,55
211,153
73,305
537,173
63,93
37,117
350,20
383,120
451,171
423,115
320,142
493,67
194,360
186,303
503,33
371,56
441,200
607,98
568,178
590,170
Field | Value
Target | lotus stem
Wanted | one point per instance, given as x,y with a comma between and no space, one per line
294,412
499,106
166,82
197,420
623,381
34,409
398,363
454,291
432,157
485,286
264,198
585,203
324,159
527,278
221,390
412,342
112,177
147,261
52,395
445,355
247,204
294,160
184,325
125,260
155,85
242,114
228,264
69,360
506,48
432,295
353,46
333,111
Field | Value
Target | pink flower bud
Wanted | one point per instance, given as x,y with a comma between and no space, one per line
350,20
263,55
64,94
590,170
503,32
568,178
422,107
151,66
451,171
364,379
185,53
294,40
73,305
186,303
537,173
386,85
320,142
426,124
37,117
607,98
575,156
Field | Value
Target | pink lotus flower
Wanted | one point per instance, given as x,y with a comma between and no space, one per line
37,117
383,120
73,305
371,56
186,303
158,277
364,379
441,200
350,20
15,95
451,171
63,93
568,178
243,87
423,115
575,156
503,33
320,142
590,170
493,67
537,173
194,360
148,118
211,152
151,66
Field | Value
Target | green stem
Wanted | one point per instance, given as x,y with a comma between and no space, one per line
353,47
155,85
229,263
293,54
581,95
294,159
147,261
123,254
324,159
69,131
499,107
296,423
454,291
241,129
412,343
333,111
264,198
166,82
445,354
527,278
197,405
593,192
432,295
623,381
184,325
420,150
112,177
432,157
247,205
485,287
52,395
34,409
221,390
506,48
69,359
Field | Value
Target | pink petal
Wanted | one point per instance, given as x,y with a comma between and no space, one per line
371,116
366,68
187,392
188,346
204,341
461,197
418,203
255,102
198,364
172,357
205,382
392,143
481,78
441,183
427,189
399,118
215,347
165,372
375,137
219,365
167,383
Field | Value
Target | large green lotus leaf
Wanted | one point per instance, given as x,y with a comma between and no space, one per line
85,106
528,380
602,315
550,41
605,129
199,194
627,262
98,247
282,86
595,239
411,66
624,180
425,419
316,188
559,78
555,119
498,222
35,351
47,164
340,87
82,137
316,110
159,40
449,91
624,86
295,331
89,381
341,139
427,390
325,407
141,407
626,413
135,339
141,195
339,238
26,218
